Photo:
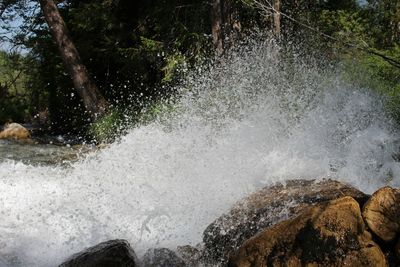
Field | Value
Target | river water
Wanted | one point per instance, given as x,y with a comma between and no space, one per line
37,153
236,128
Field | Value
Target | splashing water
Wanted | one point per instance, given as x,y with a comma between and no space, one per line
236,128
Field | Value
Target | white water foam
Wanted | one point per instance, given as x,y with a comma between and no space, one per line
236,128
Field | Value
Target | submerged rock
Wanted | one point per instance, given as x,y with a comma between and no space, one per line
113,253
162,257
265,208
382,213
14,131
328,234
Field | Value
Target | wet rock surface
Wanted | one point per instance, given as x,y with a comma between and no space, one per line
191,255
113,253
265,208
328,234
299,223
162,257
382,213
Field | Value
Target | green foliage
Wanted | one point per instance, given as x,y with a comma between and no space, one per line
137,50
132,49
384,21
370,71
388,77
154,112
173,64
346,26
109,127
14,93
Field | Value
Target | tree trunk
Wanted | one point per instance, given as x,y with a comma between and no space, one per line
277,17
216,27
95,104
225,25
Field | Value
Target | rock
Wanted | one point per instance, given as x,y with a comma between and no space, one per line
162,257
191,255
14,131
397,250
382,213
113,253
328,234
265,208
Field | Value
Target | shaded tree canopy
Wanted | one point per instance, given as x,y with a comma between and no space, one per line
136,50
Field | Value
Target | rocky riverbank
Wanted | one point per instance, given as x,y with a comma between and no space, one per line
28,145
298,223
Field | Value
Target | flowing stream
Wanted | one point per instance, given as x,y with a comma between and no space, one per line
236,128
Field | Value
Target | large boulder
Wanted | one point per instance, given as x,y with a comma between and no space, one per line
162,257
14,131
113,253
328,234
397,250
265,208
191,255
382,213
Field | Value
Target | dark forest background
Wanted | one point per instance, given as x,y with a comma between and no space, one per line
136,51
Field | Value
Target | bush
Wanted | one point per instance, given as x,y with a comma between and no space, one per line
108,128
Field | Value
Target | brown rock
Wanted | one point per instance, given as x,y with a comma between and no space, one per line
14,131
397,249
382,213
328,234
265,208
